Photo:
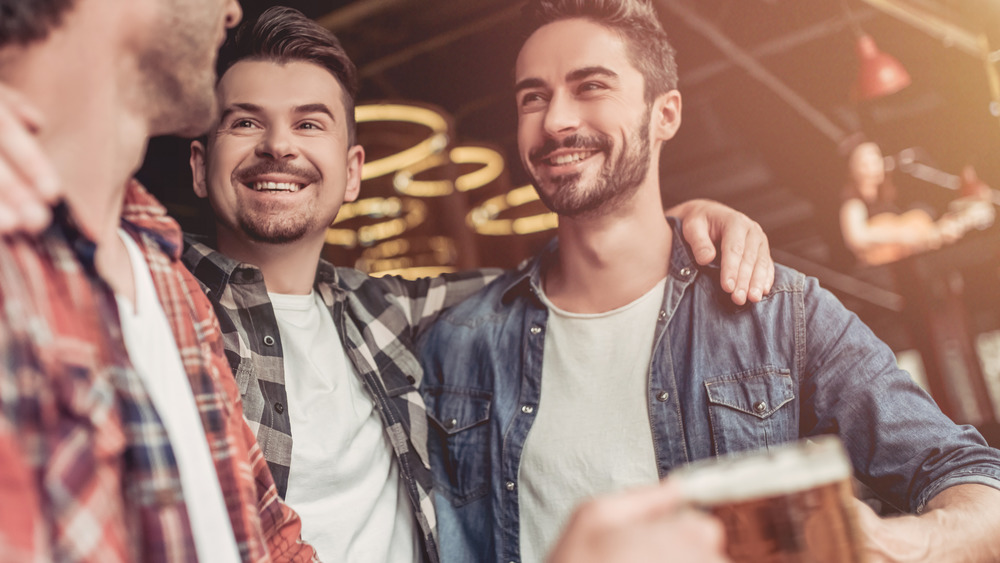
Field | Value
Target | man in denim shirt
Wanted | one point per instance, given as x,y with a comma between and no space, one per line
612,357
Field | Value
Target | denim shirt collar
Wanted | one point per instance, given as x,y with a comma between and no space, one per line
527,278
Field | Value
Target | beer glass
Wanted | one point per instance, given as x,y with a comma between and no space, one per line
790,504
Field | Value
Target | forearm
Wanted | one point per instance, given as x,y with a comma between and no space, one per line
960,525
966,519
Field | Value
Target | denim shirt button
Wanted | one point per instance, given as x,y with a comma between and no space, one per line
536,330
269,340
450,423
527,409
760,406
685,272
279,408
662,396
510,485
662,315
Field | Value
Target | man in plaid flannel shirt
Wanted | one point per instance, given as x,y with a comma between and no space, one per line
92,467
276,169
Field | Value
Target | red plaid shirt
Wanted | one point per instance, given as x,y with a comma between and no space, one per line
86,471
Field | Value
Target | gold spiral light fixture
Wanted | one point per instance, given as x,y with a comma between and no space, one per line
485,218
397,217
492,167
434,144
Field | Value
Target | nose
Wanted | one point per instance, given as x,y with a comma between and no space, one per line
562,115
277,144
234,13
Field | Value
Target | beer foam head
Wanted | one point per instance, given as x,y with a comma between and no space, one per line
784,469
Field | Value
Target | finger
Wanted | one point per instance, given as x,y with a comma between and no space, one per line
19,206
700,537
641,504
21,152
733,249
696,233
20,209
27,113
763,275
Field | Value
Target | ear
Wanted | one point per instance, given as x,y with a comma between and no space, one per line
666,116
198,169
355,161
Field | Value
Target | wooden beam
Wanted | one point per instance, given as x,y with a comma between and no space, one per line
355,12
950,34
752,66
439,41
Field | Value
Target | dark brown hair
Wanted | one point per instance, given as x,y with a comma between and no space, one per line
283,35
24,21
634,21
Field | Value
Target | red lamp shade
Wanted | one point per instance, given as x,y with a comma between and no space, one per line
879,74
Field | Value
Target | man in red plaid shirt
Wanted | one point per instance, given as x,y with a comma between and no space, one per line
121,430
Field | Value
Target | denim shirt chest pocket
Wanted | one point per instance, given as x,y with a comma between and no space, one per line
459,441
751,409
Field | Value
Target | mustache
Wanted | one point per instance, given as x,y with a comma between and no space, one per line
245,175
590,142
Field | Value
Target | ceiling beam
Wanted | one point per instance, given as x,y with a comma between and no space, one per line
950,34
439,41
776,46
752,66
355,12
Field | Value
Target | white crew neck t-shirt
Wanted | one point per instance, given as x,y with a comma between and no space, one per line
154,354
591,433
344,481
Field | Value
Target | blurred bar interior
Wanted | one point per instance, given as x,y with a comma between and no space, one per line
775,94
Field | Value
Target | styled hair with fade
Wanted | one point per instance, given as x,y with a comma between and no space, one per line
284,35
635,21
26,21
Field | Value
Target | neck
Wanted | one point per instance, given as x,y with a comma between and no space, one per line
607,262
287,268
92,132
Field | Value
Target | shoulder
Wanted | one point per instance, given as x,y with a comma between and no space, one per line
502,297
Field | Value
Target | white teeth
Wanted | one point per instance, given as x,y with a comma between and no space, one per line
275,187
569,158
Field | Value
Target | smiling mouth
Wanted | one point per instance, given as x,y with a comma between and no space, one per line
565,159
273,187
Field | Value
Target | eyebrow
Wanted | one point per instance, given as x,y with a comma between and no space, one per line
572,76
314,108
257,110
249,108
588,71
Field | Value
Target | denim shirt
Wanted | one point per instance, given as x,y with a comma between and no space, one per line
722,379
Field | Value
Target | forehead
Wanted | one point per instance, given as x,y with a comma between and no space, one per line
278,86
560,47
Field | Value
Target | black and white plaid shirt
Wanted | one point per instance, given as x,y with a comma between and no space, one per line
378,319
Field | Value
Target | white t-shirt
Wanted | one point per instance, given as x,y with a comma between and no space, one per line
591,433
154,354
343,481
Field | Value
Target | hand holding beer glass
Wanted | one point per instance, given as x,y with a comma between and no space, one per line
791,504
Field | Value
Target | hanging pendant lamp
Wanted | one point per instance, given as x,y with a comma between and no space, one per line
879,74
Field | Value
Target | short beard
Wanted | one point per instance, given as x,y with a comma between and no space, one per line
182,99
616,183
266,228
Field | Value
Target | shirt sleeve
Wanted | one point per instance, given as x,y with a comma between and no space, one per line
901,444
280,524
20,528
423,300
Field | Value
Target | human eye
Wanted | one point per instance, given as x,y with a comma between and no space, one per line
243,123
311,126
530,100
591,86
